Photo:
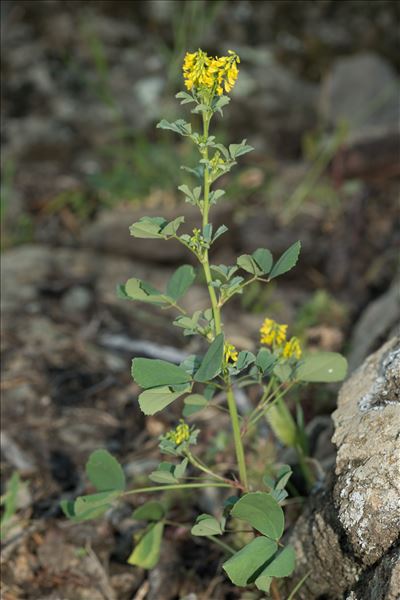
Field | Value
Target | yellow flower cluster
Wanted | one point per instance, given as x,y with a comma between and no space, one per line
292,348
215,74
180,434
274,334
230,353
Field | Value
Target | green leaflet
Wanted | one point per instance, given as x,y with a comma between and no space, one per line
282,565
283,476
245,359
9,500
193,403
236,150
168,472
149,511
147,227
207,525
262,512
179,126
264,260
180,281
90,506
135,289
191,196
259,263
282,423
185,97
212,361
105,472
220,102
106,475
322,367
244,566
165,473
147,552
151,373
155,399
155,227
287,261
172,227
247,263
265,360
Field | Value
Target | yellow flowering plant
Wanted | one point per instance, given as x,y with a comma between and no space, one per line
259,558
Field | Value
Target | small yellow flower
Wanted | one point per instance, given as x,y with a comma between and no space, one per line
230,353
292,348
180,434
272,333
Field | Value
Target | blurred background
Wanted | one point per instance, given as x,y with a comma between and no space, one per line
83,86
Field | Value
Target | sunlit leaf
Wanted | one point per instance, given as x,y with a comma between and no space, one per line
147,552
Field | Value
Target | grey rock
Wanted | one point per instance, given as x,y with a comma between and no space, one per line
37,138
380,319
148,92
367,430
362,90
17,457
383,583
348,535
76,300
22,269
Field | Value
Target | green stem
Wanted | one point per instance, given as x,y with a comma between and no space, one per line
305,469
267,405
196,463
206,208
212,294
298,586
217,317
237,438
221,544
206,191
176,486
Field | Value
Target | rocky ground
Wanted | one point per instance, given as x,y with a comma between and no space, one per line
83,84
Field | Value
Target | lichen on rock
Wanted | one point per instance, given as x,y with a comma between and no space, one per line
348,536
367,434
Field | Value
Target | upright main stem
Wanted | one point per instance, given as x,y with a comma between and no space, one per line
217,318
237,438
206,208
